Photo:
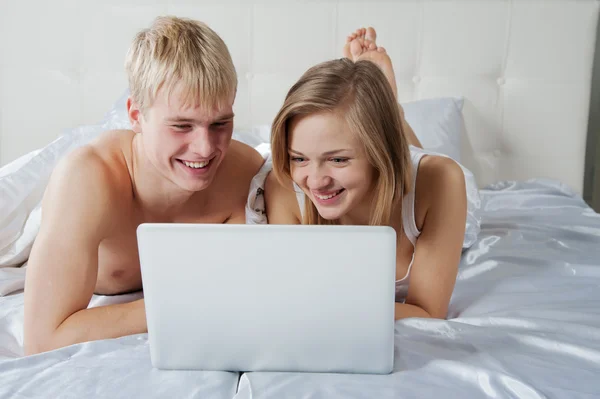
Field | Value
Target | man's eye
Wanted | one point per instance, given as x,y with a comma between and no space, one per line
181,127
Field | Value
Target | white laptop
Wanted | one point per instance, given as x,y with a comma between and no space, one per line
269,297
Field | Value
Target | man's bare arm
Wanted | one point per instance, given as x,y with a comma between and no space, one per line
78,213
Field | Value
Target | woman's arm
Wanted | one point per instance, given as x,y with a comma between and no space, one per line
441,189
280,202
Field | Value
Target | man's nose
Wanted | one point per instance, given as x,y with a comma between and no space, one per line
201,142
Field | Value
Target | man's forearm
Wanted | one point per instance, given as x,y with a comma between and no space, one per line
103,322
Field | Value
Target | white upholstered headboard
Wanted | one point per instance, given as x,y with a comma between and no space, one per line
523,66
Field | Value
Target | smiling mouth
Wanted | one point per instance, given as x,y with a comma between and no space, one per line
195,165
328,196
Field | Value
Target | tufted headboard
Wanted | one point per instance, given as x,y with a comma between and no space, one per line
524,67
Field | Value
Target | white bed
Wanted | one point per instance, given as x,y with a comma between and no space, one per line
524,319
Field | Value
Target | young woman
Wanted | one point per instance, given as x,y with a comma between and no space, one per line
343,154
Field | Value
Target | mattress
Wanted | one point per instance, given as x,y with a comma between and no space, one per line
524,322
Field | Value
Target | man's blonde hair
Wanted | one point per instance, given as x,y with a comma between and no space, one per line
362,95
180,52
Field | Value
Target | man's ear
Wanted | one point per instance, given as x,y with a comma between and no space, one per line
134,113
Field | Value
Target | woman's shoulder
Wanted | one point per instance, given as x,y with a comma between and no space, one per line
440,181
280,201
440,169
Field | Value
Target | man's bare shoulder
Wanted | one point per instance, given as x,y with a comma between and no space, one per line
241,164
245,156
113,145
97,173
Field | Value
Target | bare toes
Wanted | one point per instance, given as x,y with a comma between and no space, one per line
361,32
356,49
370,34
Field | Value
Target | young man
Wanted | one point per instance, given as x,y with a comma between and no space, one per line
178,164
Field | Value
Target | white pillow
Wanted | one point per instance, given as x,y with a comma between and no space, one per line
438,123
23,182
22,185
255,136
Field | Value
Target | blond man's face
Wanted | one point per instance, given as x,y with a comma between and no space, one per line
186,144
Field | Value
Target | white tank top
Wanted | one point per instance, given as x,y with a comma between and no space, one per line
408,218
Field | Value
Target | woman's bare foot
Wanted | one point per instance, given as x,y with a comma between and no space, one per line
361,45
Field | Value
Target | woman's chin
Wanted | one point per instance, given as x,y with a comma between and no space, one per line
330,214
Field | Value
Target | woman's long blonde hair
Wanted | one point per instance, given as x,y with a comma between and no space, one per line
360,93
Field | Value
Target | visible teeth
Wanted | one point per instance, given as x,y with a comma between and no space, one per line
196,165
326,197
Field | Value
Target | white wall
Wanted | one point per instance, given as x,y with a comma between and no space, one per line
524,66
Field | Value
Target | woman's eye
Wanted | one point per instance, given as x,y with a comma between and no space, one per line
339,160
297,159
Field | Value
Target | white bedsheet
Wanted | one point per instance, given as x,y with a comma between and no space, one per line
524,319
524,322
116,368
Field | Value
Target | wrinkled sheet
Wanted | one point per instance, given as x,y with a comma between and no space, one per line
524,322
115,368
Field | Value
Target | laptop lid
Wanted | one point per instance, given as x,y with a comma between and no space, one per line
269,297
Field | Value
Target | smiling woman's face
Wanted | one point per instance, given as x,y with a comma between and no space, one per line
330,165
